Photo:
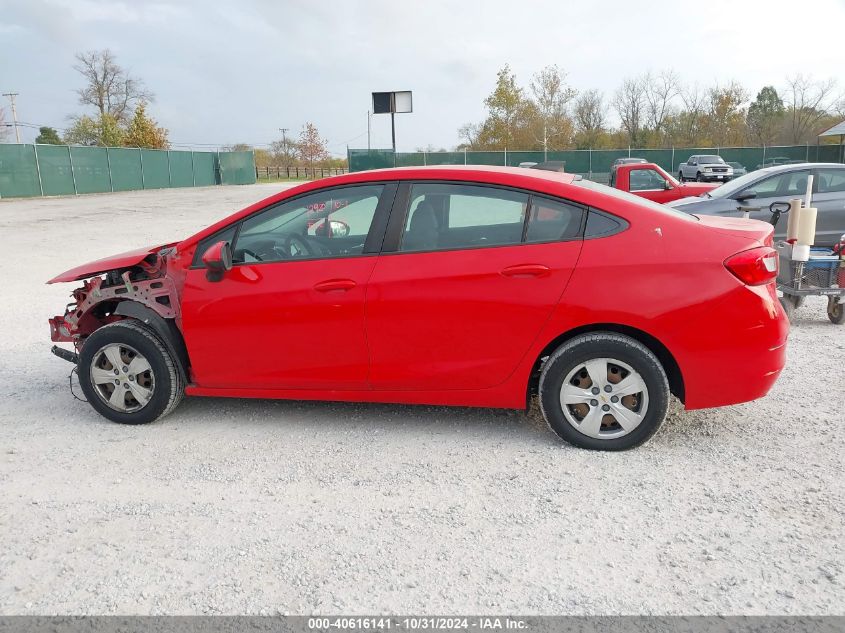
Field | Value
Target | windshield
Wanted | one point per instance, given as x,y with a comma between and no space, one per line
711,159
629,197
732,186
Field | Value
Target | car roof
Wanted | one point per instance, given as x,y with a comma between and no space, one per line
776,169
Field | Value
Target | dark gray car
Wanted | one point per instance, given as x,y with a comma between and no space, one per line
758,189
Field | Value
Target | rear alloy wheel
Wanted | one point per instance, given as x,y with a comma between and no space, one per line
604,391
835,311
127,374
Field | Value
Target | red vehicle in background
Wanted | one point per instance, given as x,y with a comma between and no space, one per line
649,181
466,286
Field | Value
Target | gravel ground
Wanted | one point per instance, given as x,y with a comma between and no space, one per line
232,506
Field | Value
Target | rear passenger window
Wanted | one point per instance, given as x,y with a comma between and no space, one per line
450,216
550,221
831,180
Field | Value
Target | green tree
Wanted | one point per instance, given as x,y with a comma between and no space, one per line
726,124
103,131
48,136
505,104
766,116
143,131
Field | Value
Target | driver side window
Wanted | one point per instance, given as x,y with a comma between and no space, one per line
330,223
646,180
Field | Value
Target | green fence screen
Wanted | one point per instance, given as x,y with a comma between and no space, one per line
125,169
156,168
54,164
57,170
181,169
595,163
237,168
18,171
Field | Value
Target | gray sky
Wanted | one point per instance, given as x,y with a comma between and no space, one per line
236,71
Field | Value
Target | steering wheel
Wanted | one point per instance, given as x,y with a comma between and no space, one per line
294,241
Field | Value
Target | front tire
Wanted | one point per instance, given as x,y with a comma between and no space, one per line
681,176
699,177
604,391
127,374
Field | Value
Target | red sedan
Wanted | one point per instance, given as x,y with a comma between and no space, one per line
466,286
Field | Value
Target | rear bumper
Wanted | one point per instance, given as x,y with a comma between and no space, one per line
740,350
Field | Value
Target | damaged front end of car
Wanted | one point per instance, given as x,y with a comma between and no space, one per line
145,290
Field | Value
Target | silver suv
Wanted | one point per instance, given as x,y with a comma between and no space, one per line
705,168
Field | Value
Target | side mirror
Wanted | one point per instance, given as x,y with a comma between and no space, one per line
667,185
217,259
749,194
332,228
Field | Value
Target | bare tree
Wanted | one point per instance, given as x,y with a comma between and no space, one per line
659,92
109,88
552,96
630,104
468,133
590,113
808,101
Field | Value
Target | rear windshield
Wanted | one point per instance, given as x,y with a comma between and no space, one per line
710,159
629,197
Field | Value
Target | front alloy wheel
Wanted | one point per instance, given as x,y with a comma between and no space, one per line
122,377
604,391
128,374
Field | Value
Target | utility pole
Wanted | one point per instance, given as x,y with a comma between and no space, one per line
12,96
368,131
284,131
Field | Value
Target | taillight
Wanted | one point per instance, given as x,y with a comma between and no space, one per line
754,267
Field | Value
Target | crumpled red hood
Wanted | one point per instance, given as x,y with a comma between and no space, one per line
123,260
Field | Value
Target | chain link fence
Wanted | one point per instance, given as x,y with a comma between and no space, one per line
595,164
58,170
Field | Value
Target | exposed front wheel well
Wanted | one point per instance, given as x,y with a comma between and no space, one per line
670,365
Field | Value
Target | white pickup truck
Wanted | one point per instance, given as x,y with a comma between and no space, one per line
705,168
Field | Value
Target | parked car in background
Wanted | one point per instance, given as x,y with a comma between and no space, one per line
705,168
759,189
739,169
551,165
650,181
465,286
780,160
623,161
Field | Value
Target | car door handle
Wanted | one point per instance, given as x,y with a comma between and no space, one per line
335,284
526,270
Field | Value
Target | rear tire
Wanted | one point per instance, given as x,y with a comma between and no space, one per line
788,307
127,374
835,311
681,176
613,387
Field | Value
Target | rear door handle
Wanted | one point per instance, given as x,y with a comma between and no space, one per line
335,284
526,270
